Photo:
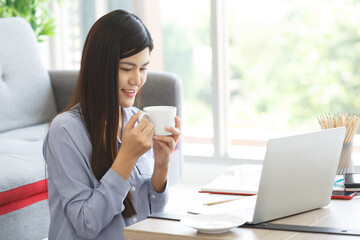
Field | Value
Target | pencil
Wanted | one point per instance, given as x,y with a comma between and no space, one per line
223,201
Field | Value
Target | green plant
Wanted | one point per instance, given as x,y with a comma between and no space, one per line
34,11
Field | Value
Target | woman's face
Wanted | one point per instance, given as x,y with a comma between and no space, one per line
132,76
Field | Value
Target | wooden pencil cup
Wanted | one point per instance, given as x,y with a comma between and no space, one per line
345,163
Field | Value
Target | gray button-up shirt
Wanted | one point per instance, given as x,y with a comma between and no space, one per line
81,207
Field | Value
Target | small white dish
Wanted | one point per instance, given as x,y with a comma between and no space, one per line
212,223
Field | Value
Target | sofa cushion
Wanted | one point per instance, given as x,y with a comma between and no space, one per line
26,96
23,181
22,168
31,222
25,141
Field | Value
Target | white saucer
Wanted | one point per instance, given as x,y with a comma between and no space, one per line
212,223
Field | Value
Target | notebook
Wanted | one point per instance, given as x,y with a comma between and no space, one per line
238,180
297,176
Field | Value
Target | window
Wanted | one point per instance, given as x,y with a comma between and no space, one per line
187,51
289,62
252,70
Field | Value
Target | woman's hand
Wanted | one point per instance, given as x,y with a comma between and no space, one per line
163,147
135,142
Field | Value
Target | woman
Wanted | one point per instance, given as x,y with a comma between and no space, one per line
106,169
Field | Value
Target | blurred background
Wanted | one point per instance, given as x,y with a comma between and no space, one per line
251,70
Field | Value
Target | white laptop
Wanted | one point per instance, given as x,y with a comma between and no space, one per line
297,176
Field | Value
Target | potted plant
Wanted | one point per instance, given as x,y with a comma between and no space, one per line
34,11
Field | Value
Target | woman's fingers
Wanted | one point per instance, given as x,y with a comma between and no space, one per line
162,145
177,122
147,128
175,131
139,136
168,140
132,120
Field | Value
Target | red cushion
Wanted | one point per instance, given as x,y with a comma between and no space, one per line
23,196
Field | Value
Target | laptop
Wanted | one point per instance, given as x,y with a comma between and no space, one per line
297,176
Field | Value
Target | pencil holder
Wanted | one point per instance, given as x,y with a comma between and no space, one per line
351,122
345,163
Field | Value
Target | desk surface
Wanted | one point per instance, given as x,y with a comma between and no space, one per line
338,214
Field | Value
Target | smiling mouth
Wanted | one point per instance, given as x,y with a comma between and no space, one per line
128,91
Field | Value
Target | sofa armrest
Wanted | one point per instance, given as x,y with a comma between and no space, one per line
63,83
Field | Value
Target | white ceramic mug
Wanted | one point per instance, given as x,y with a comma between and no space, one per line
160,117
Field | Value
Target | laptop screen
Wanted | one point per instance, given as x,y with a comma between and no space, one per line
298,173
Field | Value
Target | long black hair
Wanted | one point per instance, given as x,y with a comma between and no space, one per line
114,36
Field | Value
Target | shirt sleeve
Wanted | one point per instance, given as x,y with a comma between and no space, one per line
158,200
89,208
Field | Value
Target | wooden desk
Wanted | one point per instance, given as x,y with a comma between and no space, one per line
338,214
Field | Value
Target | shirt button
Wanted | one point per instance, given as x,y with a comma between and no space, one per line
153,196
134,219
133,188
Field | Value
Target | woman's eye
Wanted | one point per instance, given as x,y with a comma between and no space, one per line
143,69
126,69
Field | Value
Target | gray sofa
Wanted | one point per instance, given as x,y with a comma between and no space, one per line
29,97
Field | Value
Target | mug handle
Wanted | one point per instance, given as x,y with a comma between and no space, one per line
142,115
